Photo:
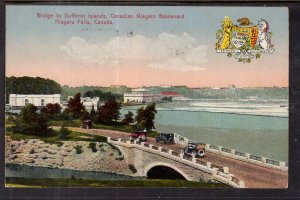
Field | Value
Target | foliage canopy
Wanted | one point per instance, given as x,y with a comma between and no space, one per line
30,85
31,122
145,117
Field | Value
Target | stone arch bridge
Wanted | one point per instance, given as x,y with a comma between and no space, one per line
146,156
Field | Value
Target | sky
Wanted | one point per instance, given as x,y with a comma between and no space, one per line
138,52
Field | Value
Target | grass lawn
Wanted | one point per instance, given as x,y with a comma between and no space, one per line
73,123
77,123
56,182
123,128
74,136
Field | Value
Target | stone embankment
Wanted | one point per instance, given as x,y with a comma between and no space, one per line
75,155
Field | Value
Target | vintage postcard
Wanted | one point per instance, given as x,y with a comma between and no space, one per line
146,96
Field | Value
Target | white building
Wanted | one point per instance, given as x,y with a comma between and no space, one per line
18,101
87,102
141,95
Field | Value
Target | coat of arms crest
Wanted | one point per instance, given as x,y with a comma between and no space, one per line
244,41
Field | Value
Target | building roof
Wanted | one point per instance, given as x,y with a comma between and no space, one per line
140,90
34,95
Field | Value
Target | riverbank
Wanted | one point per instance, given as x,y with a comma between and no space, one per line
35,163
77,155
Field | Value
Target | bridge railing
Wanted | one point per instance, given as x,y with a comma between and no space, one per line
178,139
123,140
164,150
188,157
253,157
247,157
220,173
200,162
155,147
235,180
272,162
175,154
237,153
217,167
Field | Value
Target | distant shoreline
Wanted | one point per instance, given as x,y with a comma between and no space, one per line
166,109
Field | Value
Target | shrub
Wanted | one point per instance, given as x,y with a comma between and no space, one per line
63,133
66,115
78,149
128,118
115,148
31,122
92,145
8,129
59,143
52,111
132,168
99,138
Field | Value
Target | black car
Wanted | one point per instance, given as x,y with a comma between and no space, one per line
165,137
195,148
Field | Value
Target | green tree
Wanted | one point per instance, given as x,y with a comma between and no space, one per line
52,110
29,114
89,94
85,115
128,118
75,106
145,117
31,122
103,96
109,113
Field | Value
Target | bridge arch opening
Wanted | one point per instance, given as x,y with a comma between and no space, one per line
164,172
160,170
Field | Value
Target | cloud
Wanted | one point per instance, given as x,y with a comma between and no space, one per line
166,52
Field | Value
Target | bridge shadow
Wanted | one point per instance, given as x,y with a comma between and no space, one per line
164,172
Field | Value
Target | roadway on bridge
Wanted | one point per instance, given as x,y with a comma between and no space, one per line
254,176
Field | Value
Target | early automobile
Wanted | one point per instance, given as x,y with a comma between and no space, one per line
87,124
193,148
138,135
165,138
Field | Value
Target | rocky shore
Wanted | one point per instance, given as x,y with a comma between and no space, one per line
76,155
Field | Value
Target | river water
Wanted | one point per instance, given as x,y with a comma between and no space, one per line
259,128
15,170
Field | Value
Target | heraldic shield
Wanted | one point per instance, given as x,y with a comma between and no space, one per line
244,41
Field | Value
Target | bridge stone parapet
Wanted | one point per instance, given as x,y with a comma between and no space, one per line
146,156
247,157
